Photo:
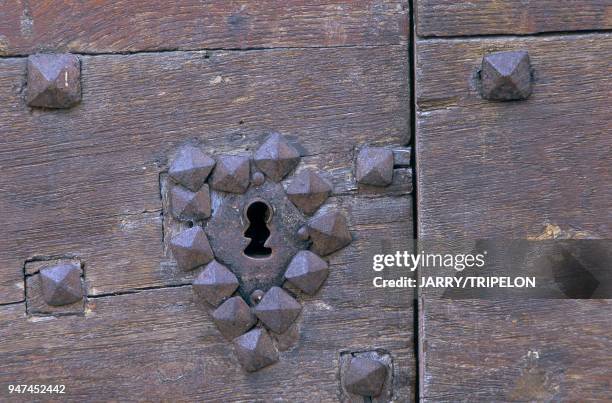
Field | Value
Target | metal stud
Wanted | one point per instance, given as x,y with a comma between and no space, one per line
191,249
231,174
276,157
307,271
365,377
255,350
258,179
215,283
233,318
329,233
303,234
506,76
61,284
374,166
54,81
308,191
191,167
277,310
188,205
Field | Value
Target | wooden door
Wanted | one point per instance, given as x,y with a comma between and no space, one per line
88,186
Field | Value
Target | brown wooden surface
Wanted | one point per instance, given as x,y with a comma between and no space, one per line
84,182
484,17
494,169
159,343
532,169
110,26
531,350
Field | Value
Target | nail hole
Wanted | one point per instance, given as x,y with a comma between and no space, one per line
258,213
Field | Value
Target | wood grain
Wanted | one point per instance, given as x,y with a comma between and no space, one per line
535,169
112,26
512,350
160,344
440,18
494,169
84,182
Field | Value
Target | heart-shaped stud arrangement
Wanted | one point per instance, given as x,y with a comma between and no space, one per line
257,235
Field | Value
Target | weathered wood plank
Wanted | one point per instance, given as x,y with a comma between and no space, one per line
161,344
439,18
111,26
536,169
517,350
84,182
513,169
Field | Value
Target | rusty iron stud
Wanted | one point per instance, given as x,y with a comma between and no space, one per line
276,157
61,284
506,76
54,80
307,272
255,350
329,233
215,283
231,174
258,179
256,296
303,234
191,167
308,191
191,249
233,318
277,310
188,205
374,166
365,376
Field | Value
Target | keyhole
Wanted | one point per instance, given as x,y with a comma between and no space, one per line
258,214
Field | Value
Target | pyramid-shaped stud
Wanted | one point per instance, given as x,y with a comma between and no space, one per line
188,205
277,310
233,318
255,350
61,284
307,271
365,376
329,233
191,167
215,283
308,191
54,80
276,157
191,249
374,166
232,174
506,76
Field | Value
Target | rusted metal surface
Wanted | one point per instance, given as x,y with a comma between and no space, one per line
374,166
276,157
54,81
61,284
188,205
277,310
191,167
191,249
232,174
228,224
215,283
308,191
307,272
234,317
506,76
258,179
255,350
365,376
329,233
